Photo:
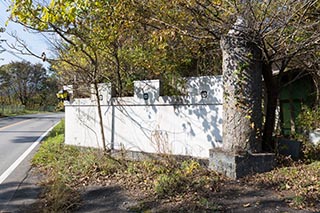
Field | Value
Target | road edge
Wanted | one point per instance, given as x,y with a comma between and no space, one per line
8,172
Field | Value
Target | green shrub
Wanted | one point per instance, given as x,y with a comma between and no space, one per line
58,129
167,184
182,177
308,120
190,166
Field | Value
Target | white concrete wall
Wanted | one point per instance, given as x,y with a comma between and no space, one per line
188,125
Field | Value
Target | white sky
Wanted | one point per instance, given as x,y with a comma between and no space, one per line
35,41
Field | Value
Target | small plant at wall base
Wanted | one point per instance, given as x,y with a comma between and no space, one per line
309,120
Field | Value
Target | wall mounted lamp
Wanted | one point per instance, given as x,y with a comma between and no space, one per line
145,96
204,94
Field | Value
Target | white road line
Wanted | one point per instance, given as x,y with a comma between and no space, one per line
23,156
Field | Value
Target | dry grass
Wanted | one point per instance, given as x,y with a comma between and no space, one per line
167,183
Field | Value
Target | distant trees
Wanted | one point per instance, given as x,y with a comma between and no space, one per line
27,84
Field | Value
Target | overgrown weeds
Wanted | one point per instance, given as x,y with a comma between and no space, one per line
184,184
69,168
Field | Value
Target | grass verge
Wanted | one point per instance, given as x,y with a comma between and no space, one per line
69,168
23,112
66,168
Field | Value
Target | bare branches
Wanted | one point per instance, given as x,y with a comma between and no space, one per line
21,47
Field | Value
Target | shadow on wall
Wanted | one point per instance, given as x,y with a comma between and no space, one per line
148,122
209,119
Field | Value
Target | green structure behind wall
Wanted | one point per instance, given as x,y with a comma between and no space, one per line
298,91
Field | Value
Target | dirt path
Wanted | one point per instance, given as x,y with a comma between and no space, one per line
105,199
235,197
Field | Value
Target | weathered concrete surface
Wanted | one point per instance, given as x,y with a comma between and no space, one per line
237,166
242,81
290,148
242,109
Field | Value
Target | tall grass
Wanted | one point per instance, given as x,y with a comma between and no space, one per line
65,168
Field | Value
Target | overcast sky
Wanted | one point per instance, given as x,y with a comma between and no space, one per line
35,41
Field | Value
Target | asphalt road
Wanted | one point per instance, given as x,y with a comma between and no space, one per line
19,137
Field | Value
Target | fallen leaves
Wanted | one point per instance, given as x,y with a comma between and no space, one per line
185,185
302,179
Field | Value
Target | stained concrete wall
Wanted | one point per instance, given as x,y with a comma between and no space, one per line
185,125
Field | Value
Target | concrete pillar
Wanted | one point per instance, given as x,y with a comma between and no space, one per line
241,139
242,90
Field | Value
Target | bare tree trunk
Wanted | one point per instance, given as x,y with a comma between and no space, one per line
100,117
118,75
292,114
272,92
118,70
